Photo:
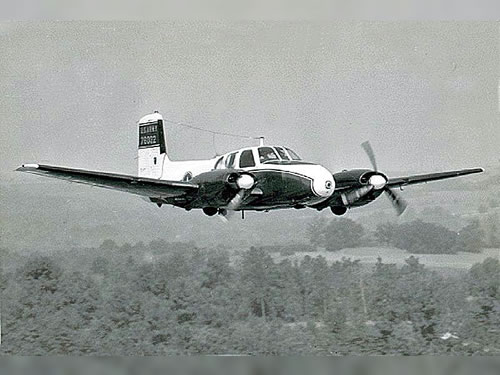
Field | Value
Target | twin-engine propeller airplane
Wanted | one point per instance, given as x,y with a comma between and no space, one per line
253,178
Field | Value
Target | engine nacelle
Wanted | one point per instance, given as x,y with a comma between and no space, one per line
354,195
218,187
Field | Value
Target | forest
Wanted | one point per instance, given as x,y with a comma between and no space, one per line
182,299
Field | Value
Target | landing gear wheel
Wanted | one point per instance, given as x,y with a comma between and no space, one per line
339,211
209,211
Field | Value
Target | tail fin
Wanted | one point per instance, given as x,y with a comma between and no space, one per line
152,153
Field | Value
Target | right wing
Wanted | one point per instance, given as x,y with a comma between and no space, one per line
147,187
421,178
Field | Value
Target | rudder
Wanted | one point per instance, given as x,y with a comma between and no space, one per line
152,149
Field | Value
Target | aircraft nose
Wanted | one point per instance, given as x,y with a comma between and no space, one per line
323,182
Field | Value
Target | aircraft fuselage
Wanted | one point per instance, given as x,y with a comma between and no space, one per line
278,183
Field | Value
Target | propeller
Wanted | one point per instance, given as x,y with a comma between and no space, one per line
371,155
379,182
397,202
244,182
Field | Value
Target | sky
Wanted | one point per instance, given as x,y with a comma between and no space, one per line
424,93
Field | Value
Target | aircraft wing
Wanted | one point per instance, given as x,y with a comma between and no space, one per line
421,178
147,187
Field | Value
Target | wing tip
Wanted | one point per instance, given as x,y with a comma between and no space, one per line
27,167
476,170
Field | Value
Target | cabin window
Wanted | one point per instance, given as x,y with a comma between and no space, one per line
267,154
292,154
282,153
230,160
218,164
154,160
246,159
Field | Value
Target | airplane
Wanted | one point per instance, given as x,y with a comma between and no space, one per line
259,178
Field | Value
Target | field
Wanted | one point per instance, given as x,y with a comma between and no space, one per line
369,255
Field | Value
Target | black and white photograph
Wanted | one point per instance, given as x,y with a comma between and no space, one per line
250,188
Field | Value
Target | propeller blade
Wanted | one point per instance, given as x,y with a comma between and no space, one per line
234,204
223,218
227,212
397,202
376,181
371,155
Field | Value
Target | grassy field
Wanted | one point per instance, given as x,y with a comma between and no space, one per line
369,255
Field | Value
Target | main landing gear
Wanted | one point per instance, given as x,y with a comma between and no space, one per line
210,211
339,211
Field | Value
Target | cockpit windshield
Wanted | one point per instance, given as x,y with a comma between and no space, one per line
282,153
292,154
267,154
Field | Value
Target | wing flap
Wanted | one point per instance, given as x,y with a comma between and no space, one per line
421,178
131,184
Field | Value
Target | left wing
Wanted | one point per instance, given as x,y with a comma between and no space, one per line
421,178
147,187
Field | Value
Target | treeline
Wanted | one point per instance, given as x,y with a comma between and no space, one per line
417,236
115,302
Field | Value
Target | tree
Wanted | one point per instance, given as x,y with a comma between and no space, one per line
490,226
385,233
108,245
493,203
100,265
424,238
217,271
315,287
316,231
41,272
485,278
470,238
342,233
404,306
257,269
290,286
4,254
484,319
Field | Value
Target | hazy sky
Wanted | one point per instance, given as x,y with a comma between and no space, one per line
424,94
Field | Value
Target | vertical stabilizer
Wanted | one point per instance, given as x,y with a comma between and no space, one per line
152,153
